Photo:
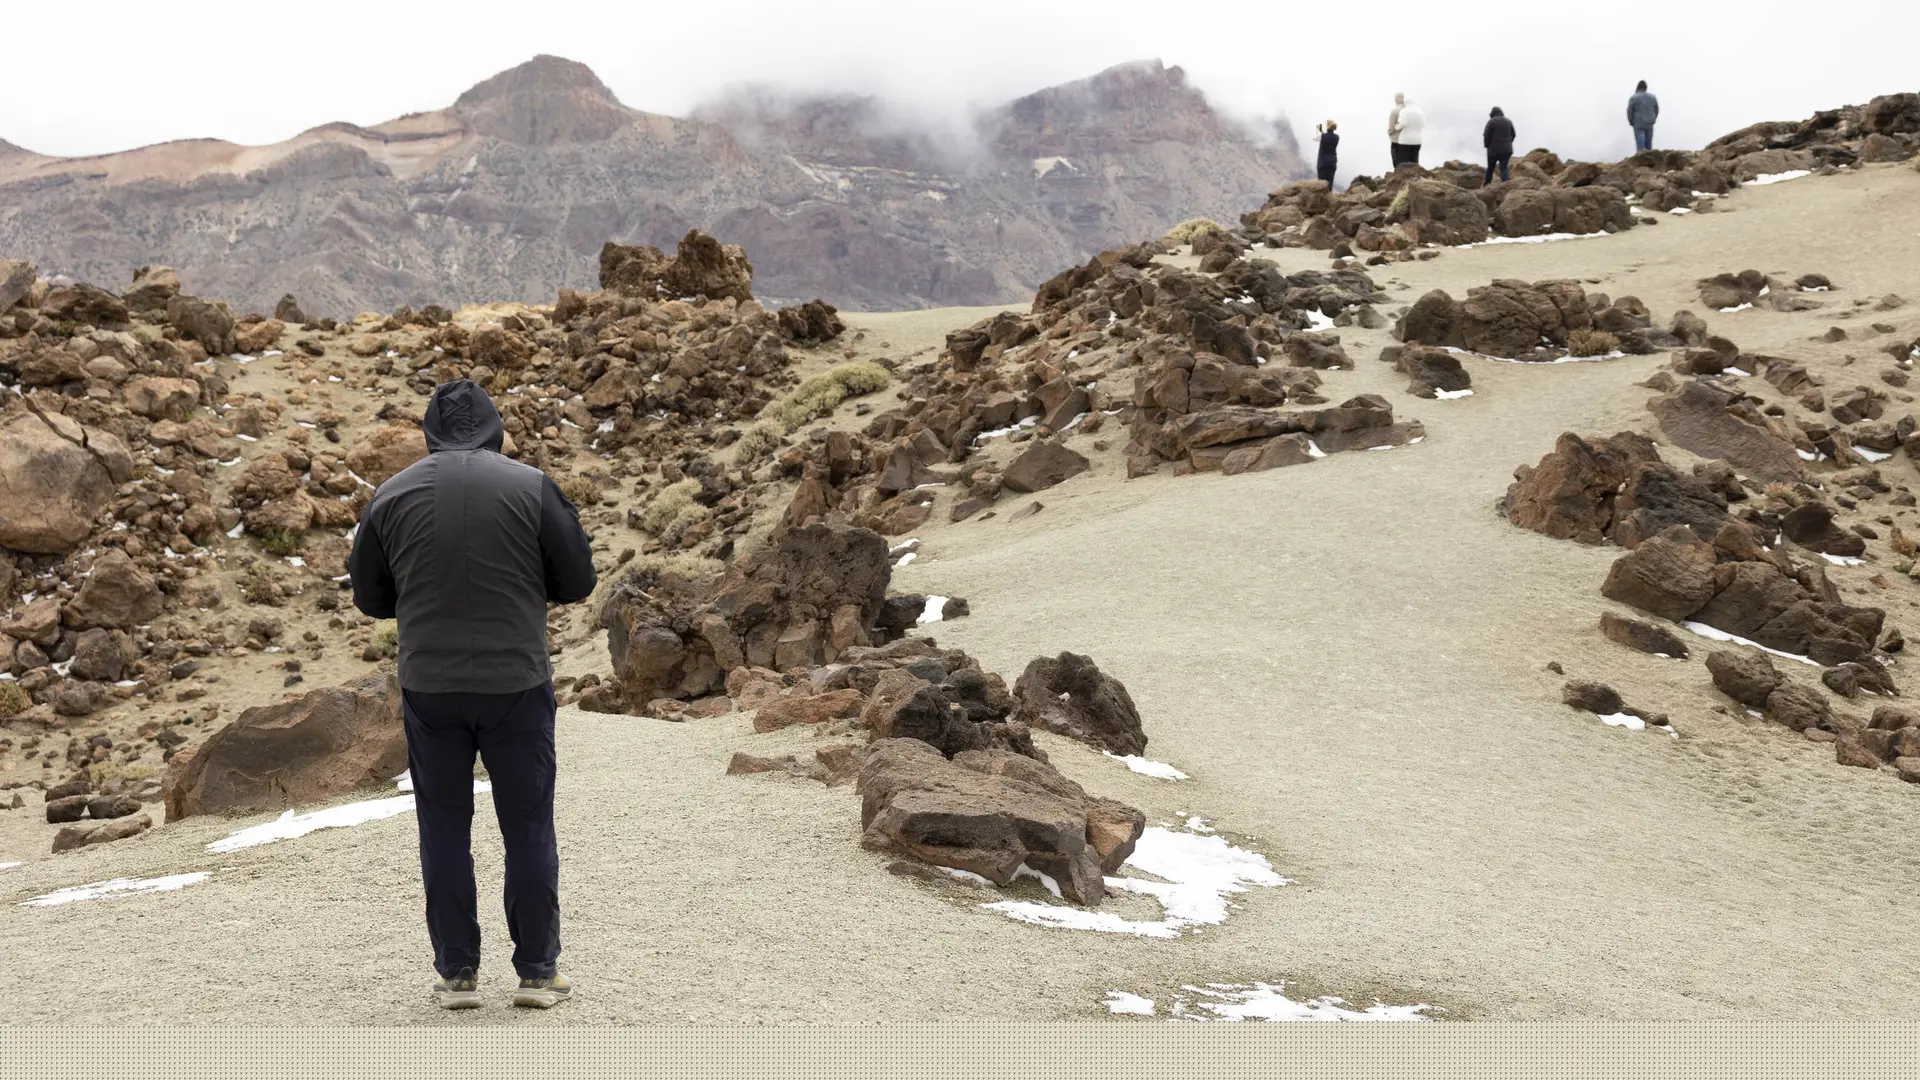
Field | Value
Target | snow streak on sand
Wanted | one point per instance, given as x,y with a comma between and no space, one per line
1842,560
1718,634
1148,767
934,611
1265,1001
1449,395
1317,321
291,825
116,887
1121,1003
1775,178
8,865
1197,875
1542,238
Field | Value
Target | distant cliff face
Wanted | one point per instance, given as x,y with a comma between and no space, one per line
510,192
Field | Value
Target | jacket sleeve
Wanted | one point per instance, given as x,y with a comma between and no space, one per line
1486,135
374,592
1653,108
564,549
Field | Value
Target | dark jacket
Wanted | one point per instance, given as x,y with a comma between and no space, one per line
1643,109
467,547
1498,137
1329,146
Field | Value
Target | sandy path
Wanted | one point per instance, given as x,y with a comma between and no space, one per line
1347,657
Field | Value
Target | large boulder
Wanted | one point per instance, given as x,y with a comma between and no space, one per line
990,813
162,399
1717,421
1041,465
209,323
1617,488
1069,695
152,287
1436,212
55,478
329,741
1670,575
117,595
16,281
382,455
702,267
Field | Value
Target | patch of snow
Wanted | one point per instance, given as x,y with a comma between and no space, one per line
234,533
1681,210
1780,177
1625,720
116,887
605,427
1317,321
1045,881
932,612
8,865
291,825
1148,767
1265,1001
1871,455
1731,310
229,464
997,432
907,558
62,668
272,352
1121,1003
1542,238
1805,456
1714,633
1815,288
1450,395
1197,875
967,876
1737,371
307,425
1313,449
128,682
1842,560
1044,165
296,561
246,438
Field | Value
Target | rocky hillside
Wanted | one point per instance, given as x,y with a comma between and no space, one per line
510,192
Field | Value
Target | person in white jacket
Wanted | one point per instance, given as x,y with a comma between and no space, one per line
1397,151
1413,128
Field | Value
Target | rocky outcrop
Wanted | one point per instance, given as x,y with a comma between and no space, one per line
272,757
702,268
56,476
1716,421
1069,695
1611,489
1527,321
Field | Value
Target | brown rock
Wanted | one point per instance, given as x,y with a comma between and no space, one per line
1717,422
329,741
1644,636
1746,677
117,595
813,709
55,478
79,836
1069,695
383,454
1670,575
1041,465
163,399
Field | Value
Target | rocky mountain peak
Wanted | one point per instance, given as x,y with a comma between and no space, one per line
544,101
1132,103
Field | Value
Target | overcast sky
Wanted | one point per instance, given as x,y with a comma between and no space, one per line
258,73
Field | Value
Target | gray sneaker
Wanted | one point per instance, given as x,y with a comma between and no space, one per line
543,993
460,992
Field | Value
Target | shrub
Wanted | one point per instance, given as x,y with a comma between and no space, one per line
819,395
281,542
580,490
673,506
13,700
756,443
1786,493
647,571
1402,201
1590,342
1184,232
386,637
1902,544
102,772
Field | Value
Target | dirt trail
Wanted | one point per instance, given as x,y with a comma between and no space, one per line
1347,658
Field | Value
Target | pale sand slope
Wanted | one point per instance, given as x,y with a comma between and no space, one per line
1347,657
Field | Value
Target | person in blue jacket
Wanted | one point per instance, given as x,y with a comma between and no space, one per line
1642,110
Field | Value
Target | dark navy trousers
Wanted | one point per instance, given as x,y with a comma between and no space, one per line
513,735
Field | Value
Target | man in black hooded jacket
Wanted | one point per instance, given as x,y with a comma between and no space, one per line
466,548
1498,139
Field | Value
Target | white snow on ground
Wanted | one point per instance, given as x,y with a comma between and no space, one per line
1147,767
1542,238
116,887
1739,372
1313,449
1681,210
234,533
1317,321
933,611
1046,882
1197,873
1265,1001
1632,723
1449,395
907,558
1121,1003
997,432
1716,634
1614,355
1731,310
1842,560
291,825
8,865
1871,455
964,875
1805,456
1775,178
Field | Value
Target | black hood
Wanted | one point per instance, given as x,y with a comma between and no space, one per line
1497,112
461,417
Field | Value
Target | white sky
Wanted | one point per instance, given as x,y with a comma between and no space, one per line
255,72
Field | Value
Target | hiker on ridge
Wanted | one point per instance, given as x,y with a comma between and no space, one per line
467,548
1642,110
1393,130
1498,139
1329,151
1413,127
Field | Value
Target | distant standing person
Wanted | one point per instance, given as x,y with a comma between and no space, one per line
1413,127
1642,110
1393,130
1329,151
1498,139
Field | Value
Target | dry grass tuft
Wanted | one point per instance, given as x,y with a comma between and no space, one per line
1184,232
13,700
1590,342
818,396
757,442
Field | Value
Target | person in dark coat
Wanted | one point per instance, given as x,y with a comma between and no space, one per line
1329,151
467,548
1642,110
1498,139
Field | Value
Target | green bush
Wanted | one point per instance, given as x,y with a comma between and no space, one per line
758,441
386,637
673,506
1590,342
819,395
282,542
13,700
1184,232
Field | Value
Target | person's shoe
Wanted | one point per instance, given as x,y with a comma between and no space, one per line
543,993
460,992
